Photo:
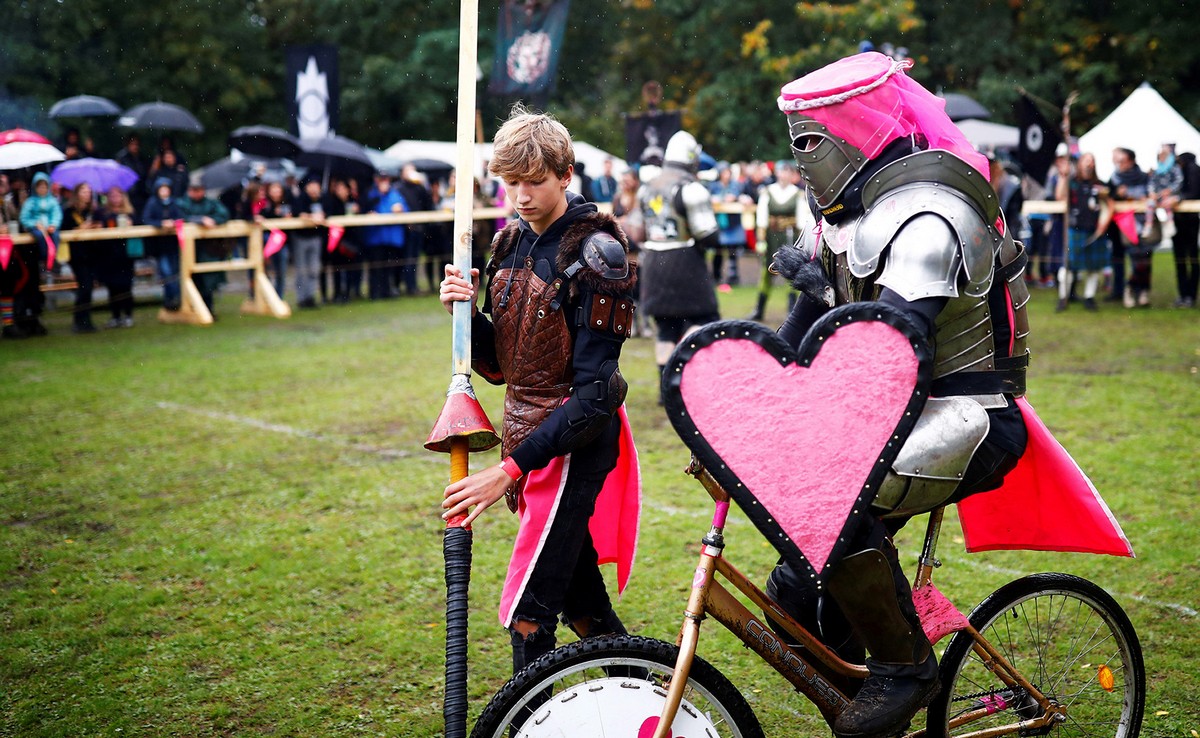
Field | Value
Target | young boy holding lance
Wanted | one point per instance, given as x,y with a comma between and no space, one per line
556,311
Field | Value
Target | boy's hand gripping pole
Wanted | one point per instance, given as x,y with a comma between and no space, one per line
462,426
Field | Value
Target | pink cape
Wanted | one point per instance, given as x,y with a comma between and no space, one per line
1046,504
614,524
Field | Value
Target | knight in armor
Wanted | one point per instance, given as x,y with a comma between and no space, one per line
902,213
677,289
557,309
780,208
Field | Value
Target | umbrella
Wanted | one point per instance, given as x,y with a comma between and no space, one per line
160,115
265,141
84,106
101,174
960,107
336,156
383,163
24,154
434,168
14,135
230,172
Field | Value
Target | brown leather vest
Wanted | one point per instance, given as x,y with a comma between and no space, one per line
534,349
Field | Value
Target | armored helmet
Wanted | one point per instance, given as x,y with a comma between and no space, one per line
683,149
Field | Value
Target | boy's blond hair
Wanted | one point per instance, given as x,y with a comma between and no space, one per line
529,146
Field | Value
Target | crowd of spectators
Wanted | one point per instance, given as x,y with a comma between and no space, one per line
1108,249
376,262
1106,252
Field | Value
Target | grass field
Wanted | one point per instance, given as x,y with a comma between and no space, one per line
234,529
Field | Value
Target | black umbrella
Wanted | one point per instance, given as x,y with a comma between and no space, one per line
84,106
161,116
273,143
433,167
336,156
225,173
961,107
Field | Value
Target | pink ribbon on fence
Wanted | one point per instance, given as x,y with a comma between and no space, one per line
274,243
179,234
335,237
51,251
6,249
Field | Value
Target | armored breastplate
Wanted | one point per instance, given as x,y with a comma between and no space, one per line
663,220
533,347
976,266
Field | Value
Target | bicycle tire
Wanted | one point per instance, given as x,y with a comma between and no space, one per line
1070,639
613,705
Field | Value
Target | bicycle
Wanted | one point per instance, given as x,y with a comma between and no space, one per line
1046,654
1042,652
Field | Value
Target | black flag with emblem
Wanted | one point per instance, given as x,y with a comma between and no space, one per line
1039,139
529,39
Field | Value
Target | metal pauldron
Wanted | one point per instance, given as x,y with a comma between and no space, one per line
930,465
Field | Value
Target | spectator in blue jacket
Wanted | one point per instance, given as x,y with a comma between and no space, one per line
42,215
162,210
384,244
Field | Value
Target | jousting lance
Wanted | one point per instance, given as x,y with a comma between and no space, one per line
462,426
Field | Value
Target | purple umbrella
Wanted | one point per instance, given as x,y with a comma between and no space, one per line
101,174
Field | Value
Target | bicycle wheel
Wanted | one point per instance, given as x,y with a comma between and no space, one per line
614,685
1070,639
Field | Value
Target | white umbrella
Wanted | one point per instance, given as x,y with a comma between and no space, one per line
22,154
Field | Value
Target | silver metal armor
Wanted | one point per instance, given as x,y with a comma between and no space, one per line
676,210
929,230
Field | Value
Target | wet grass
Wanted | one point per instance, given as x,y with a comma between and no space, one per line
234,530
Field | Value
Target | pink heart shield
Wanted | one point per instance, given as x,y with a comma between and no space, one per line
801,439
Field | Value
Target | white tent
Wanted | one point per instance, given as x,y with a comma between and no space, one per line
409,149
1142,123
985,135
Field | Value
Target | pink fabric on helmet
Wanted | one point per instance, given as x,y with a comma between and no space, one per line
871,120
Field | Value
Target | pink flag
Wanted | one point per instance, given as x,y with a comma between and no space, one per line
179,234
51,250
335,237
1127,222
6,249
274,243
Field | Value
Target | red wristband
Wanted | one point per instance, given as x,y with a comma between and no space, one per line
511,469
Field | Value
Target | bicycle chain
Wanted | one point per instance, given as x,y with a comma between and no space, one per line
991,693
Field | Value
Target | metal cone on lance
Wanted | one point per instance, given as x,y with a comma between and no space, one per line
462,426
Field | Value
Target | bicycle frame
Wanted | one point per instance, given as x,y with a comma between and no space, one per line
813,669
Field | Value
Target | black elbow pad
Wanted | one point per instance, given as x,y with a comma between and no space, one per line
597,402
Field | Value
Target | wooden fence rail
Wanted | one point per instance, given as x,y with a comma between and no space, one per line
266,300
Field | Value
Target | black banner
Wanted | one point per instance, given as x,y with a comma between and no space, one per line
311,90
1039,139
529,39
646,134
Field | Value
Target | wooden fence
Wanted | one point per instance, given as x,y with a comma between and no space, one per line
268,302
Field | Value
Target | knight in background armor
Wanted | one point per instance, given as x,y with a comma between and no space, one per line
781,206
901,212
558,308
677,288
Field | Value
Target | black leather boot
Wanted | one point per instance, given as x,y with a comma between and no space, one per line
877,600
606,624
527,649
820,616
